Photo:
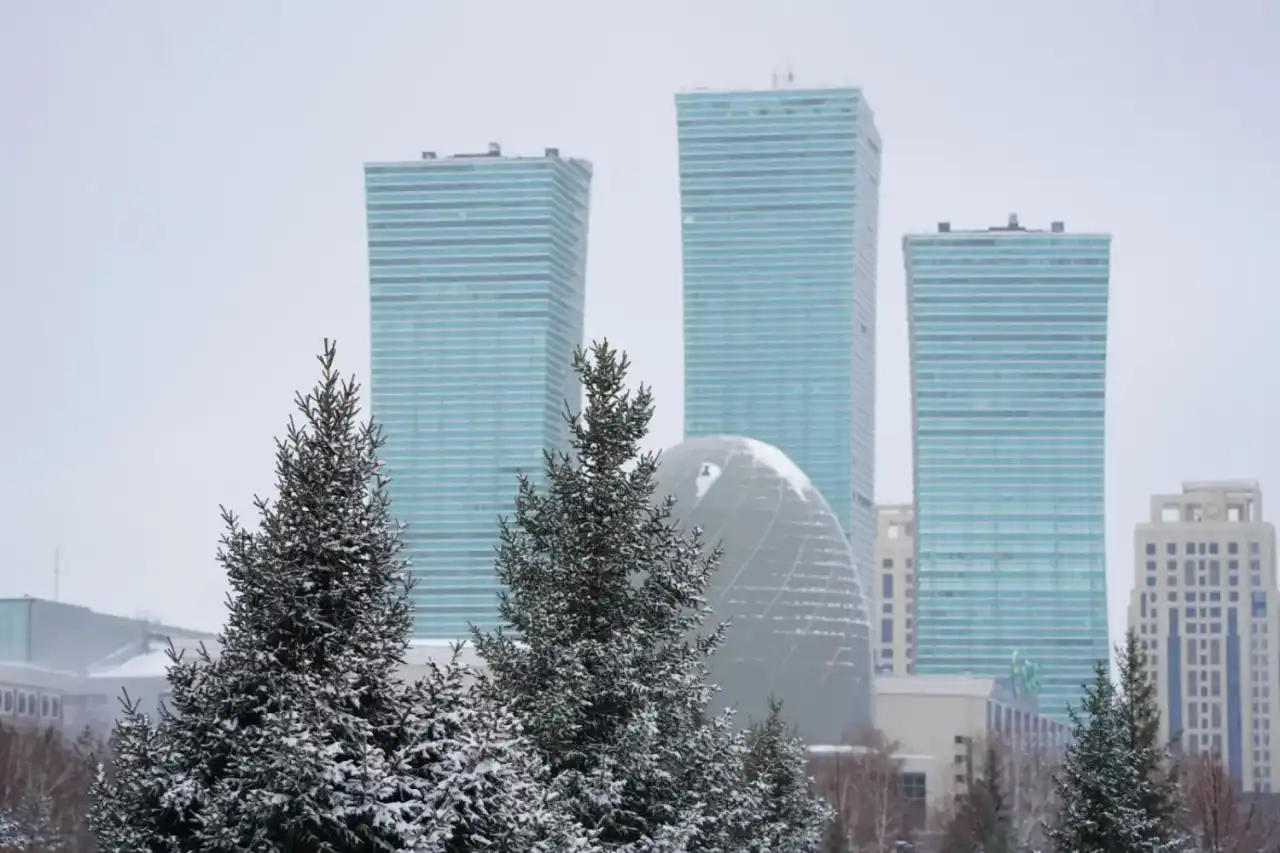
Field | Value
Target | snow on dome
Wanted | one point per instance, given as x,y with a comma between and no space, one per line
707,478
767,454
787,583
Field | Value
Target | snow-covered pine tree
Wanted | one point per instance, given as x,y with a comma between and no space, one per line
602,659
299,735
1139,715
474,768
788,816
127,808
1099,786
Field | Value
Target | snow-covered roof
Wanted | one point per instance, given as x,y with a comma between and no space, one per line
853,749
153,664
19,673
935,685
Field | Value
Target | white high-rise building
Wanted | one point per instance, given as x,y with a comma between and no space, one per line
1205,603
893,618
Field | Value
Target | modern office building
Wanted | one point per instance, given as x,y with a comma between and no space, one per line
779,198
1206,607
477,278
894,592
1008,344
786,584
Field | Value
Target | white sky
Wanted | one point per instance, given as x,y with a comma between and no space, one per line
181,221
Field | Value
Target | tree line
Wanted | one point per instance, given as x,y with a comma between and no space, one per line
592,725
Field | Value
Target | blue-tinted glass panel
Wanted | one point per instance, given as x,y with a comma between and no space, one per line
779,198
1008,334
15,631
477,279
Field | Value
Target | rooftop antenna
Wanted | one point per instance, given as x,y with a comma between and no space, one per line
57,573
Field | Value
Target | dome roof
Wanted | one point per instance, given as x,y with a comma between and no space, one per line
787,582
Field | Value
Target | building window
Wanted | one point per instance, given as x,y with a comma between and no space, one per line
887,562
886,585
1233,547
1213,547
912,786
886,630
1151,547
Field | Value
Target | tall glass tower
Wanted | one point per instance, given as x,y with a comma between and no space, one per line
779,194
477,277
1008,340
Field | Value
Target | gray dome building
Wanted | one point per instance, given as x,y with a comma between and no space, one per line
787,582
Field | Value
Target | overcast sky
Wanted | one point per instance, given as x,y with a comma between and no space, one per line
181,222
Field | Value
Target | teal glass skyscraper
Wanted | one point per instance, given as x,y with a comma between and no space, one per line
1008,343
477,277
779,196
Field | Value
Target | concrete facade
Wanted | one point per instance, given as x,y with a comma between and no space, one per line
894,590
939,724
1206,607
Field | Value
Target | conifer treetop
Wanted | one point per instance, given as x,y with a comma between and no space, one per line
609,677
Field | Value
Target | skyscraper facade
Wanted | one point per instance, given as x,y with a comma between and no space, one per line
1008,346
1206,607
477,278
779,194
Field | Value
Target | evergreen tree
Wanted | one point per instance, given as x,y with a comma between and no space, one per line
1139,715
1100,787
991,806
788,817
470,762
127,805
300,735
602,658
982,822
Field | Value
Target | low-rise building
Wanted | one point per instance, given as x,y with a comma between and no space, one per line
51,654
944,722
